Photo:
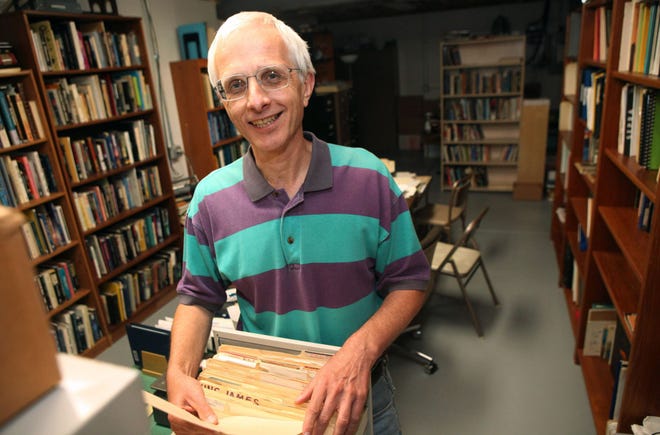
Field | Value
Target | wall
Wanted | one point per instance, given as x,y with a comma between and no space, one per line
418,39
167,15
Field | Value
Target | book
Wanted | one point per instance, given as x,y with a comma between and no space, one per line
626,37
599,320
7,119
51,52
619,387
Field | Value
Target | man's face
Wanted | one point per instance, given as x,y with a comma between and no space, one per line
269,120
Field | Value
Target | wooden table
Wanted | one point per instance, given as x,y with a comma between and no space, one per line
414,187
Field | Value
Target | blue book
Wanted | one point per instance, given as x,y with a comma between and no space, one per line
8,120
7,196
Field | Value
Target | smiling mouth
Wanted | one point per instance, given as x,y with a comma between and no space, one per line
261,123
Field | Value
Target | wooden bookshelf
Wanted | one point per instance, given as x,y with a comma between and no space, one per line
568,107
45,259
618,268
100,98
207,148
482,81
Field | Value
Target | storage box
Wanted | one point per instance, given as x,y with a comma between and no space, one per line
247,339
28,364
527,191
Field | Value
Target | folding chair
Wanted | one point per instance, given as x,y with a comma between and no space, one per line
444,215
461,262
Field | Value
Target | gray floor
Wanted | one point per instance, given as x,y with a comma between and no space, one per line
519,379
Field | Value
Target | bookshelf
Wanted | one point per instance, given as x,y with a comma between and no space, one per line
610,235
209,137
108,150
37,188
329,113
568,108
480,105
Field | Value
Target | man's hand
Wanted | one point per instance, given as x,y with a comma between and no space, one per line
340,387
186,392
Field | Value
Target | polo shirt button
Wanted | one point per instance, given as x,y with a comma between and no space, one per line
289,240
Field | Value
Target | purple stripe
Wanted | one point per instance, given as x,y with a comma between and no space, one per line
202,288
329,285
356,191
230,210
412,273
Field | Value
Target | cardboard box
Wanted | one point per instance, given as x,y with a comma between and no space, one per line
532,150
527,191
28,365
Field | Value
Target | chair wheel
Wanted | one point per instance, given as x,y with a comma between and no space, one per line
430,368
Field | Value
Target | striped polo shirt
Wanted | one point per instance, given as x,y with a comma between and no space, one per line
314,267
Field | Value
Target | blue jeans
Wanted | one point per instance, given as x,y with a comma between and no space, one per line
385,417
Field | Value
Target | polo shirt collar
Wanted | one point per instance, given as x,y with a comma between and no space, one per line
319,174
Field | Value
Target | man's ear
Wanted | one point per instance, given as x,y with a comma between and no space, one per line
310,80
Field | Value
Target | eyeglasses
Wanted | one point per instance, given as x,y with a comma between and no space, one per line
270,78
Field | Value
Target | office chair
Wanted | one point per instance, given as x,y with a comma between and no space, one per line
461,260
414,329
444,215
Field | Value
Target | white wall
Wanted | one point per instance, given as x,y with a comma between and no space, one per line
167,15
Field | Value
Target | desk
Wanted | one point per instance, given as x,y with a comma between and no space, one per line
413,186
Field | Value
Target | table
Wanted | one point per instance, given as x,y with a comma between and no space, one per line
413,186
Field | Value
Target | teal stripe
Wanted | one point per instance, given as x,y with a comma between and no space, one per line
218,180
238,251
198,258
338,245
333,244
325,325
402,243
357,158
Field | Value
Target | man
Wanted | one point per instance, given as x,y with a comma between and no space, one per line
316,238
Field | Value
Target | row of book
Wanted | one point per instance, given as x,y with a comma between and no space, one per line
456,132
83,99
57,282
483,81
478,152
45,229
121,296
639,125
592,90
108,150
76,329
19,117
482,109
602,29
479,175
100,202
230,152
116,246
25,177
640,44
220,126
605,337
67,45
